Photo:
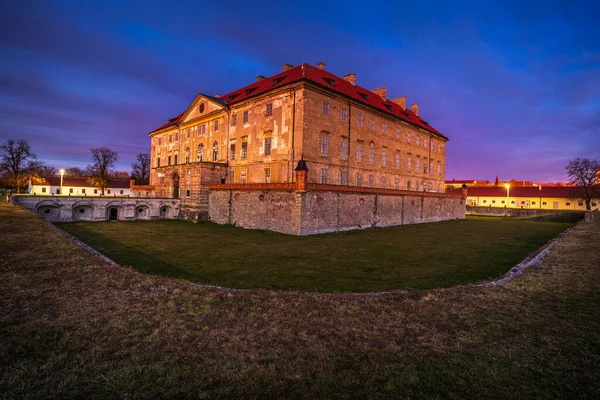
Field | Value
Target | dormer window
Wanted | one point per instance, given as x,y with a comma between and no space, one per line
233,96
329,81
201,108
389,107
277,81
406,114
249,91
364,96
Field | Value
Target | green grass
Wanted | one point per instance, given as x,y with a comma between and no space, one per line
422,256
73,326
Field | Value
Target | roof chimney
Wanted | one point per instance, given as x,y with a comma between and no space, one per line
381,92
321,65
415,109
259,78
350,77
217,96
287,66
401,101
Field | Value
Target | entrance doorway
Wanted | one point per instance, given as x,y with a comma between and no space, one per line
113,214
175,185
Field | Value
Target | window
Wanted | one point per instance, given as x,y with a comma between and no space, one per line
44,190
439,168
269,110
343,178
216,125
383,182
324,173
408,184
439,148
383,159
484,201
70,190
267,175
162,181
108,191
189,131
580,204
397,183
169,160
544,203
121,192
503,201
384,129
424,142
324,145
232,177
243,176
175,159
170,138
244,152
430,167
232,151
512,202
215,151
372,124
187,193
493,201
201,152
409,137
372,155
159,141
418,165
158,161
397,160
425,166
245,117
343,149
176,136
418,140
234,120
371,181
358,179
201,108
344,115
187,155
325,108
409,164
522,201
95,191
593,204
360,120
202,129
533,203
397,133
568,204
267,146
359,152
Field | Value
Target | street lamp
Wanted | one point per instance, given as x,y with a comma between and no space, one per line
62,173
507,186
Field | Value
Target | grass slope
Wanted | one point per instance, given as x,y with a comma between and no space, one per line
72,326
421,256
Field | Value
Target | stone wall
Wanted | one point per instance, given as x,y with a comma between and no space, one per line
327,208
509,212
81,208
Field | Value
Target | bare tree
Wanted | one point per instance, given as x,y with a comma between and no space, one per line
104,161
585,174
17,162
47,170
75,171
140,170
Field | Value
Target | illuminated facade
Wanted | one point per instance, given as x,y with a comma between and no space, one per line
348,136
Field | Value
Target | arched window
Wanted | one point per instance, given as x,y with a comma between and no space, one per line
215,151
187,155
201,152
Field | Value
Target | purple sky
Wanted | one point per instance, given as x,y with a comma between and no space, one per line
515,85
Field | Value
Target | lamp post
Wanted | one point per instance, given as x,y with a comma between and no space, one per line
507,186
62,173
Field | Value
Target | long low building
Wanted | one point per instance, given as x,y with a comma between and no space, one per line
78,186
528,197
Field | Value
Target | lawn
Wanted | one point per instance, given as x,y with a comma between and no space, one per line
421,256
73,326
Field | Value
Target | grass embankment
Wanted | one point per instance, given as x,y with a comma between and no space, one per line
72,326
422,256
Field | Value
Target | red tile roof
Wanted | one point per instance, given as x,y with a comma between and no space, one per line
522,191
328,81
82,181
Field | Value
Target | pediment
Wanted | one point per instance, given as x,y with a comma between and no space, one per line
201,106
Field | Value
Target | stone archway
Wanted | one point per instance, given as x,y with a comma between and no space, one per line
175,185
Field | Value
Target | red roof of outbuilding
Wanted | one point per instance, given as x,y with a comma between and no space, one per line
522,191
328,81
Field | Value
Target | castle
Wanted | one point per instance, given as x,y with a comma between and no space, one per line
350,140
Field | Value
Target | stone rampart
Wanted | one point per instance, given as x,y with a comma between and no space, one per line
326,208
82,208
